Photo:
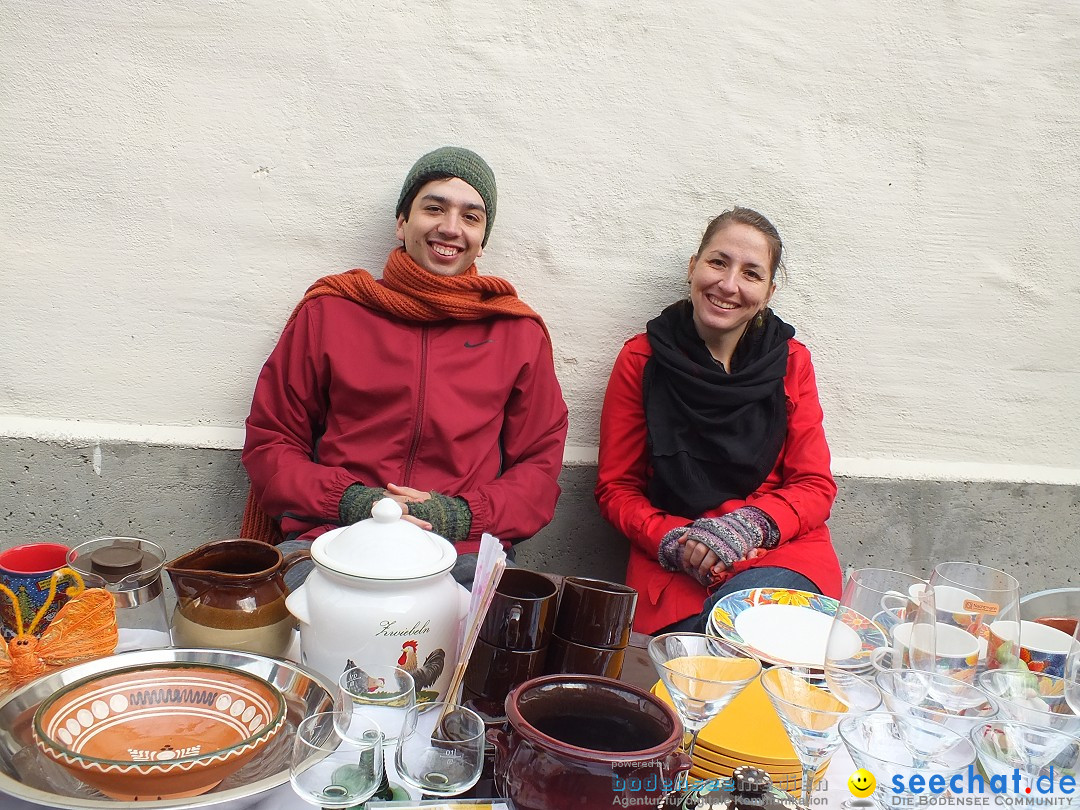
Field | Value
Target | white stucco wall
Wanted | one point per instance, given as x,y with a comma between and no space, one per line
173,176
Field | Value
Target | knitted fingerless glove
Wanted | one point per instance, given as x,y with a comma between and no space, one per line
731,537
734,535
357,501
670,554
449,517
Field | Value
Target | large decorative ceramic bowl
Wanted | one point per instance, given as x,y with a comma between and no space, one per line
160,732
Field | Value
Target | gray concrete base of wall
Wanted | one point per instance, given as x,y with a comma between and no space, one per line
182,497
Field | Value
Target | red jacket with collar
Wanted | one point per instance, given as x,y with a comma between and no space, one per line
797,495
353,395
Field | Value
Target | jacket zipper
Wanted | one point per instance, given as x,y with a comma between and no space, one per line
418,423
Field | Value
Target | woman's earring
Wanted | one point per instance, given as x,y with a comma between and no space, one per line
759,319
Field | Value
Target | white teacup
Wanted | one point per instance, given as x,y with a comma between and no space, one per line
1041,648
953,605
955,652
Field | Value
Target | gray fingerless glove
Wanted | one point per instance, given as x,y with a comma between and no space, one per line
734,535
449,517
357,501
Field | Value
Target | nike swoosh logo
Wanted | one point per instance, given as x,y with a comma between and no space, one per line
474,345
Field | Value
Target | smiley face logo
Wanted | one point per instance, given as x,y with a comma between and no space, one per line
861,783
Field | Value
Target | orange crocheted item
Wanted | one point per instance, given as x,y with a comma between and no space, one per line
412,293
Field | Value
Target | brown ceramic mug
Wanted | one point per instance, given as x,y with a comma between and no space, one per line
595,613
494,671
522,611
569,657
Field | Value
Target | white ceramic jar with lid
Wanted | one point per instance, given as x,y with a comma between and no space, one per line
381,593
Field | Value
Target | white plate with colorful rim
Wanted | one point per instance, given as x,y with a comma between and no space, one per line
789,627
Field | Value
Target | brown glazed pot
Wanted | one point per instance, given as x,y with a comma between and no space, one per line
586,741
231,594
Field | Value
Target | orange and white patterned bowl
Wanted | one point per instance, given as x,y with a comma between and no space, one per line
159,732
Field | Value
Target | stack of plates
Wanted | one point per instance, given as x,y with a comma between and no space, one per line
791,628
746,732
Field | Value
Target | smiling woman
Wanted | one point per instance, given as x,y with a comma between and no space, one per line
713,460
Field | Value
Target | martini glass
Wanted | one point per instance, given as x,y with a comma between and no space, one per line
1040,755
702,674
1034,698
811,714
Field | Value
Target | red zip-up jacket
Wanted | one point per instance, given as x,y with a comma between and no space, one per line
353,395
797,495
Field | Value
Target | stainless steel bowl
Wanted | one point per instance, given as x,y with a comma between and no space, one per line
27,774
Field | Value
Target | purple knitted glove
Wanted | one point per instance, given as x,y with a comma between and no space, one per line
734,535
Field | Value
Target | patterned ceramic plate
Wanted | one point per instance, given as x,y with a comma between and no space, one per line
788,627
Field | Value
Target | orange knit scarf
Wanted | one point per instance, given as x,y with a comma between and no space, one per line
412,293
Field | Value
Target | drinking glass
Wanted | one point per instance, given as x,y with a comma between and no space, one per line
874,602
329,769
702,674
1034,698
977,596
380,693
441,748
811,714
1072,672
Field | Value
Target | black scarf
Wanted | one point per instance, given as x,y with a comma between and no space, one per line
713,436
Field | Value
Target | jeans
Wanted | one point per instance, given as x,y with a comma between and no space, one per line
763,577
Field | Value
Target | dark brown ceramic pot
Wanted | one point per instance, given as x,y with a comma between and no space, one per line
586,741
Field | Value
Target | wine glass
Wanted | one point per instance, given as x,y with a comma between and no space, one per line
810,715
331,770
441,748
972,596
1072,672
875,602
702,674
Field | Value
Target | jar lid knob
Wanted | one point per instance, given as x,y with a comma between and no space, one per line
387,510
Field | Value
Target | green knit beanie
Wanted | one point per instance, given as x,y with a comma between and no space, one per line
452,161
